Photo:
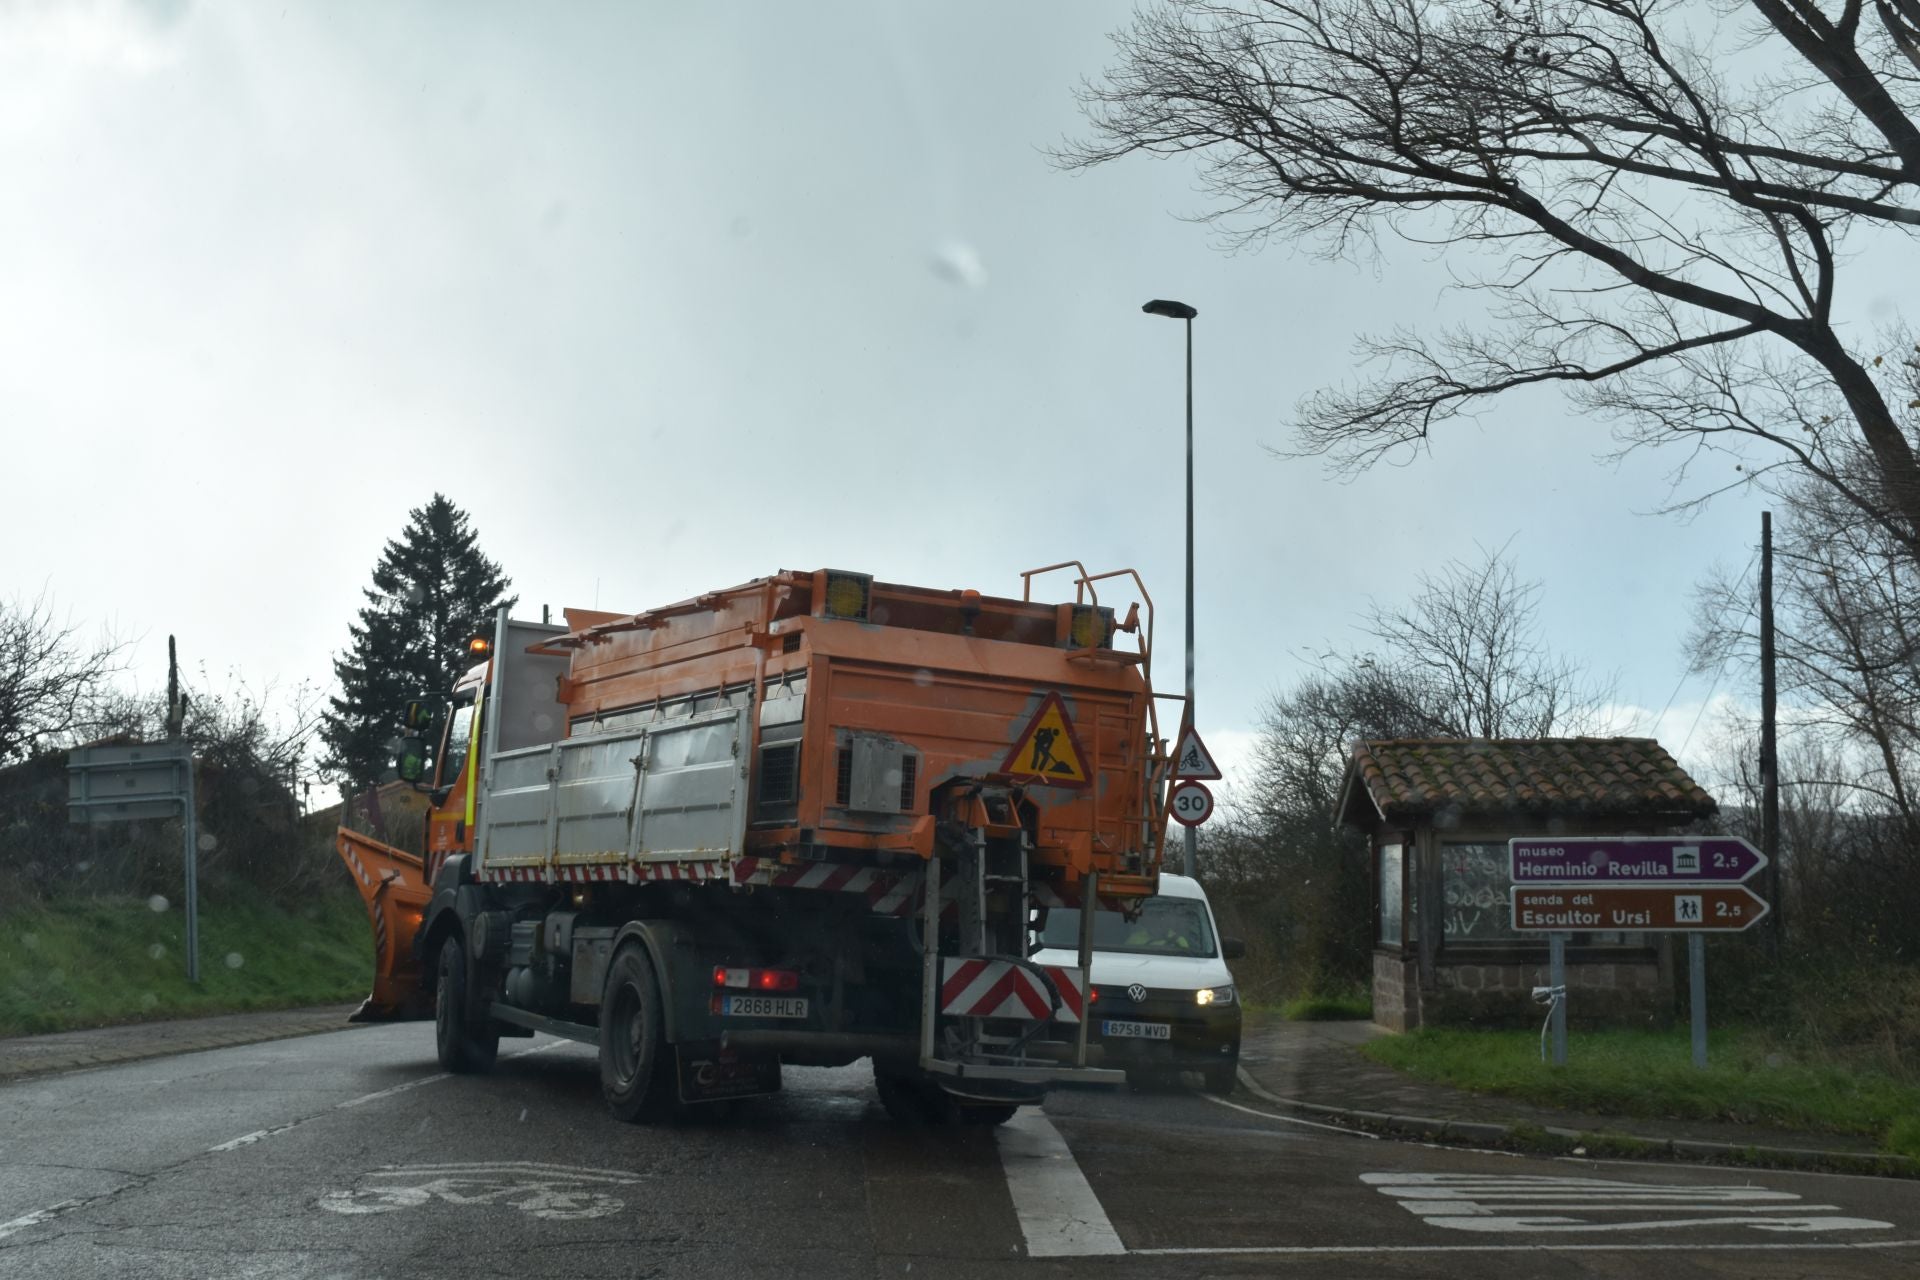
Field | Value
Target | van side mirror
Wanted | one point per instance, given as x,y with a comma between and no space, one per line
1232,949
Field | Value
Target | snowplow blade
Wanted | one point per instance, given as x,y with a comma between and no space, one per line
393,884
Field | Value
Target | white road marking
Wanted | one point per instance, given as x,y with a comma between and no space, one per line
388,1093
1059,1214
1587,1246
1532,1204
556,1192
1311,1124
248,1139
37,1217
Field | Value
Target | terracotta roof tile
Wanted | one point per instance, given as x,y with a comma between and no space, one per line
1411,779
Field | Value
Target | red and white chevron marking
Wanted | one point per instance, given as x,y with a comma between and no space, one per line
353,861
514,875
680,871
887,892
977,988
606,872
595,873
379,934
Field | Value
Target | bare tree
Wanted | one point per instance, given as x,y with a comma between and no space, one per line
1663,226
1847,650
52,683
1466,658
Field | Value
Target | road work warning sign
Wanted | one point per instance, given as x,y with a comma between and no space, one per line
1047,750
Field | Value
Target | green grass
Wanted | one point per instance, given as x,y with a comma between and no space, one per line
94,962
1651,1074
1327,1008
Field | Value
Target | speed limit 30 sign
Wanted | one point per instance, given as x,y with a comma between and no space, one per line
1191,803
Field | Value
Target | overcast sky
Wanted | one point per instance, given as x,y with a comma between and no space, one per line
673,296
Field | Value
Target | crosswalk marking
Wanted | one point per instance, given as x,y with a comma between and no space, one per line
1531,1204
1059,1214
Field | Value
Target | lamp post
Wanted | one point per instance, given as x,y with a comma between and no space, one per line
1181,311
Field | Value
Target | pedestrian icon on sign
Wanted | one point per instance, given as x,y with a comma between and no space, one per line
1043,761
1047,750
1686,908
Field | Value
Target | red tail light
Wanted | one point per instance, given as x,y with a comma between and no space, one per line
756,979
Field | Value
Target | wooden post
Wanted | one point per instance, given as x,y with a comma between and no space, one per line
1769,750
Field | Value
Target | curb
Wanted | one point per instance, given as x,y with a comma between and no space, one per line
84,1058
1604,1144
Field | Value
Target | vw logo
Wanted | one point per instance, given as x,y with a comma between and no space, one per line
1136,993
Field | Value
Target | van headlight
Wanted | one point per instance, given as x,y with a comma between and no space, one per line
1213,995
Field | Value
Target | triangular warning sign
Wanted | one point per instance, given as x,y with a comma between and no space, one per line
1047,750
1192,761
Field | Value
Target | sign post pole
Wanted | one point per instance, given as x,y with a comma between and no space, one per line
192,829
1557,979
1697,988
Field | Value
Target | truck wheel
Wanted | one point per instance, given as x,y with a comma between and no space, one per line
907,1096
987,1113
462,1046
636,1066
911,1098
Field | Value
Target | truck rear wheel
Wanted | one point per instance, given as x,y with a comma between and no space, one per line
463,1046
636,1064
911,1097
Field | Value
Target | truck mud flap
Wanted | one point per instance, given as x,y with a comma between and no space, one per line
709,1073
393,884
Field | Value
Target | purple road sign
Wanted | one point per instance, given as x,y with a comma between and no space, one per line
1632,860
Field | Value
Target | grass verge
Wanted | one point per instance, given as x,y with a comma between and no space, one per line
99,961
1651,1074
1344,1008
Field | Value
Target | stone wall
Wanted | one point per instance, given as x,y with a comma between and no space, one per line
1396,992
1616,993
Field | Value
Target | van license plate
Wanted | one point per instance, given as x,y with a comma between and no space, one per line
763,1006
1137,1030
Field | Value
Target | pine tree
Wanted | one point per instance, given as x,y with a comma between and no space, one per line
432,592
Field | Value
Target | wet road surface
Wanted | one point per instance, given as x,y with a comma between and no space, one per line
351,1155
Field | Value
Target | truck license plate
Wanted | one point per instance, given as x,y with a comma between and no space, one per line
763,1006
1137,1030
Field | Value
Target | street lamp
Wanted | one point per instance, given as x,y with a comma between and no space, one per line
1181,311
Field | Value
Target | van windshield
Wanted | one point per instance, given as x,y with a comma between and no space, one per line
1164,927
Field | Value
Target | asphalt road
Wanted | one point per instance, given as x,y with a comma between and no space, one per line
350,1155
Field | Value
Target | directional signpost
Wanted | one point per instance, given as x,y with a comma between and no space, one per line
129,781
1701,908
1661,884
1616,860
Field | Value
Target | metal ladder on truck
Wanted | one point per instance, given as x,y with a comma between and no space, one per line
980,990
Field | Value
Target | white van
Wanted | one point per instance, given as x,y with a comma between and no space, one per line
1163,999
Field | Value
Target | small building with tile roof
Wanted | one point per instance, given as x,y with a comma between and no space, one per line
1438,814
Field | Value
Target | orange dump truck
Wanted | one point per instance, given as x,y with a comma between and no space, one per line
805,820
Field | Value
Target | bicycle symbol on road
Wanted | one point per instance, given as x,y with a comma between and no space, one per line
554,1191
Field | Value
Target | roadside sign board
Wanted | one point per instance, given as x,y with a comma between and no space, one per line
1632,860
1191,759
127,782
1682,908
1191,803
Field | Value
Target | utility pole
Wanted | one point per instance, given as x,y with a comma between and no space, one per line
1769,753
1181,311
176,706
